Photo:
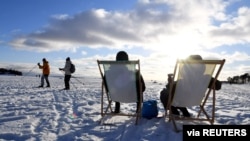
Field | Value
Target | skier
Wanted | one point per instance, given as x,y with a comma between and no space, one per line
67,71
46,71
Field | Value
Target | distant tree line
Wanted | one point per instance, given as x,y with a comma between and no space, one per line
10,71
239,79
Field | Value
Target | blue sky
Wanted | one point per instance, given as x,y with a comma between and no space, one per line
155,31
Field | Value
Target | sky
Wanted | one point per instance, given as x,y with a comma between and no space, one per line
48,114
157,32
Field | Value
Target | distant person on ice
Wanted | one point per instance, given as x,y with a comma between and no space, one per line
46,71
67,72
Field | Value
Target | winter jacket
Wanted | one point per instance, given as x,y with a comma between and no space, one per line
66,68
45,67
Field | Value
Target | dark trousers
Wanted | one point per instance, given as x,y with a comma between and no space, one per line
182,109
117,107
46,77
66,81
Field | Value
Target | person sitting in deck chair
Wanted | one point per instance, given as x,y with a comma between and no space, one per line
123,56
164,93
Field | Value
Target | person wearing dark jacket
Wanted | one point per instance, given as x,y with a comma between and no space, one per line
123,56
164,93
67,73
46,71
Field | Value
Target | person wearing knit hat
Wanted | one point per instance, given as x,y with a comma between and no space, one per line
199,70
67,73
123,56
46,71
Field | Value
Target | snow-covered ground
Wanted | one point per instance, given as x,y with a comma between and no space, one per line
49,114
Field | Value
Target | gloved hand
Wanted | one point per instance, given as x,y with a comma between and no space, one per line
60,69
38,64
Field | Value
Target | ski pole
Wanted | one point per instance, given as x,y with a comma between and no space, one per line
30,70
77,80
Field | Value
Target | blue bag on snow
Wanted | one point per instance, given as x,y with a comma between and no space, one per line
149,109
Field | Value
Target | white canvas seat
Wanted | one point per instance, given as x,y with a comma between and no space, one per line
119,85
192,78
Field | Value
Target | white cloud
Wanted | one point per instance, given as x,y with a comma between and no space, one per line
169,28
84,53
154,23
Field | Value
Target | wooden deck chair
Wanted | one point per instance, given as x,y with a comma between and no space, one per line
191,79
119,84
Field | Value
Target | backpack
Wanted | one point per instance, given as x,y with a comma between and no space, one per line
217,84
72,68
149,109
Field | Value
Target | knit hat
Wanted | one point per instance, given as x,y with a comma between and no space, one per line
121,56
195,57
200,69
67,59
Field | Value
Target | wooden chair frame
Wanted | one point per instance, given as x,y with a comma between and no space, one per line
215,73
107,109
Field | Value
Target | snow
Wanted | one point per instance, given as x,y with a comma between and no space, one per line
48,114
